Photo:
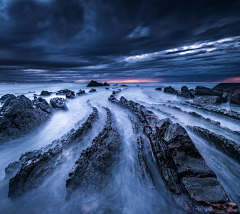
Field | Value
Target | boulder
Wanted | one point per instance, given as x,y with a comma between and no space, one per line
63,91
159,88
235,97
45,93
58,103
170,90
92,90
185,92
184,89
207,99
20,115
70,94
80,92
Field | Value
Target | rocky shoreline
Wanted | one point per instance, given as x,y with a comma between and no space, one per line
221,93
193,184
163,146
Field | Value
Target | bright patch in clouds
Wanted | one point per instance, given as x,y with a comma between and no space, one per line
34,70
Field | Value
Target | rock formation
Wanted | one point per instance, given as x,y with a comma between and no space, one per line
227,146
20,115
58,103
193,184
35,169
92,90
80,92
45,93
95,83
208,99
92,170
70,94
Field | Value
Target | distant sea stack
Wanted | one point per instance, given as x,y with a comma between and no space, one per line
95,83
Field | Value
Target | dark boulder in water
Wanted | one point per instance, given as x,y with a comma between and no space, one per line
93,169
45,93
70,94
92,90
20,115
159,88
80,92
63,91
58,103
95,83
170,90
185,92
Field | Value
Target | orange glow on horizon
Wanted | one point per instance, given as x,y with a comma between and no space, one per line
135,80
232,79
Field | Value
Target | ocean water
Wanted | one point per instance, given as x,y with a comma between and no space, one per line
126,192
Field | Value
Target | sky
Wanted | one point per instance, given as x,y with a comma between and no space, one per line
120,40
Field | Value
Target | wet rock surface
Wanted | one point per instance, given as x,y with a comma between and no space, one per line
58,103
70,94
34,170
226,145
193,184
201,90
229,113
15,166
6,96
93,169
208,99
19,115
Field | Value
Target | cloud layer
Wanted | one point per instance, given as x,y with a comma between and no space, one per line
169,40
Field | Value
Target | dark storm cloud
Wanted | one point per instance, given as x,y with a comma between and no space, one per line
104,39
